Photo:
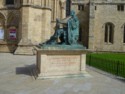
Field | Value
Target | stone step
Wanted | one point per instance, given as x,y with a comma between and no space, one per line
25,51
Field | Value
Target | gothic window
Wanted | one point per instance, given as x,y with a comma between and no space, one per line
9,2
120,7
81,7
124,35
109,33
12,26
95,7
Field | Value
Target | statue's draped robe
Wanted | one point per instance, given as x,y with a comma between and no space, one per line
73,30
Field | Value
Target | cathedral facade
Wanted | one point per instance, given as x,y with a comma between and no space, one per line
26,23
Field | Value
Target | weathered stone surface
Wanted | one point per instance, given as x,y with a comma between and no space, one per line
60,63
26,50
94,16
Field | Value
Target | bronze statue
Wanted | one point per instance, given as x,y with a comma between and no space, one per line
67,30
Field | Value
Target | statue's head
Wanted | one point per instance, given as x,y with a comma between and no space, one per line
72,13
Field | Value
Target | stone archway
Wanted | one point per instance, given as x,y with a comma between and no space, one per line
12,25
2,27
13,19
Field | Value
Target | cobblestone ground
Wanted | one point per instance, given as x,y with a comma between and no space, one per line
16,78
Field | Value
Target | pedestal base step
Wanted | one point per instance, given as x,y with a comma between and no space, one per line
79,75
25,51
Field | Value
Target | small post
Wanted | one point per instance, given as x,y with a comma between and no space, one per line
117,71
90,60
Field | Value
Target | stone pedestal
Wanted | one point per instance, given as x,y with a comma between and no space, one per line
60,63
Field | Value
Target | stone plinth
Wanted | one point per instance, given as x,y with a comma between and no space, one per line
60,63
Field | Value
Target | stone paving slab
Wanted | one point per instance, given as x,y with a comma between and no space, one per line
16,78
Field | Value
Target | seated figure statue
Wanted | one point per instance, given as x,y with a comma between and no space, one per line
67,30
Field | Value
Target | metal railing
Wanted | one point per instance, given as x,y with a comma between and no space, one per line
111,66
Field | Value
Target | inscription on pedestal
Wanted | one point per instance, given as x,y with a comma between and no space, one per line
63,61
60,64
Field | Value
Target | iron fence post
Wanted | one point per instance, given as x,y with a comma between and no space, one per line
90,60
117,70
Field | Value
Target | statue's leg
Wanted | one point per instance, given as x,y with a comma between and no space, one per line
65,40
53,39
55,34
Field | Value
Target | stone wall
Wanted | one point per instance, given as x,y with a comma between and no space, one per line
107,12
93,18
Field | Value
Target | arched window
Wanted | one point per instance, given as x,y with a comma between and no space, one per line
109,33
124,35
12,25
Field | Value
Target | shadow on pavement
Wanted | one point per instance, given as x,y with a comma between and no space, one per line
27,70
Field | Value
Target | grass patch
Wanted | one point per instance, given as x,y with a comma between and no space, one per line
109,56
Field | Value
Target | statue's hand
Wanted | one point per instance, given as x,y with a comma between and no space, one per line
57,20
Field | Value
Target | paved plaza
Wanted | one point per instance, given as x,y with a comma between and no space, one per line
16,78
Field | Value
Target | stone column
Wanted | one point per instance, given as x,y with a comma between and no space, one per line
5,30
63,8
55,9
25,2
24,46
49,3
42,3
46,31
91,26
24,25
30,1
